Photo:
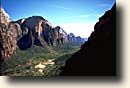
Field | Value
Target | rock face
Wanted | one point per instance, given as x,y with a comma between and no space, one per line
4,17
61,35
7,42
48,33
71,37
7,39
97,55
15,29
36,30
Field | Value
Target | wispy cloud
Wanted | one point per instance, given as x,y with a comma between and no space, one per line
61,7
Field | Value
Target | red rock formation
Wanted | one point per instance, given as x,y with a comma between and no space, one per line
4,17
60,35
15,29
7,39
36,30
7,43
31,32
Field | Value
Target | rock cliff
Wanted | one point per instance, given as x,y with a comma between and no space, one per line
7,42
4,17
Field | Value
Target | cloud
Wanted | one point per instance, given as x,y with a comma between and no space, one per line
83,29
61,7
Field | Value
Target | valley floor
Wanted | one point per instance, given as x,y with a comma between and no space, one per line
38,61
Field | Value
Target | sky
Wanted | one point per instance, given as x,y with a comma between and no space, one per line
76,16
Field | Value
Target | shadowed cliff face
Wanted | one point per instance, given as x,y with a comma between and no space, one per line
34,31
97,55
31,32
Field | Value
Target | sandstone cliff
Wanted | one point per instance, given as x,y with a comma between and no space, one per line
35,30
7,42
4,17
7,39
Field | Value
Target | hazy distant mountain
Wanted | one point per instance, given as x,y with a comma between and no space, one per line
85,39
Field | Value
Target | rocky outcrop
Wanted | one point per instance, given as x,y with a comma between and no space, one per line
61,35
71,37
35,29
4,17
15,29
48,33
33,26
12,26
7,42
7,39
97,55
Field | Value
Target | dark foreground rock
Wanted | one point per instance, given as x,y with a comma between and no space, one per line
97,55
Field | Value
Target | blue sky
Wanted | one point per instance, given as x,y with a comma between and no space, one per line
77,16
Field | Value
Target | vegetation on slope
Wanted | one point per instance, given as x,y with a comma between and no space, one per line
23,63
